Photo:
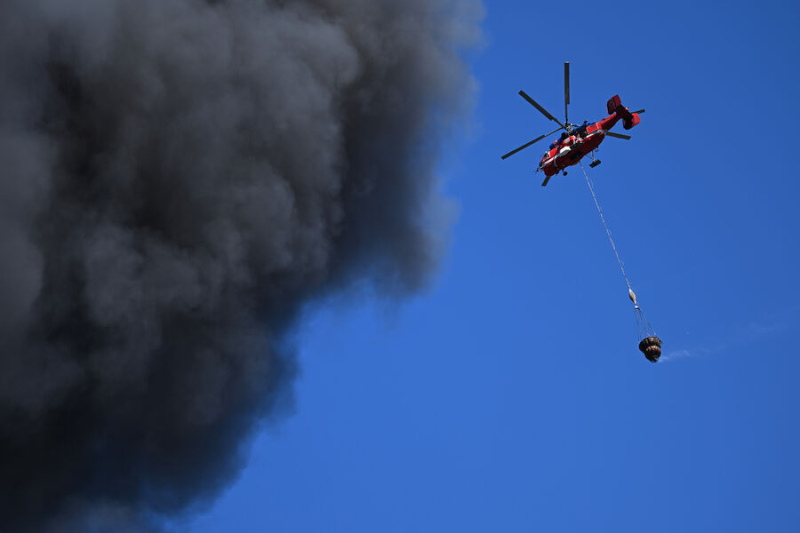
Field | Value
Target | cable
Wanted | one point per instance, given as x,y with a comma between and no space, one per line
608,232
643,325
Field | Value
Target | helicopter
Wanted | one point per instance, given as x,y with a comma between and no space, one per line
577,141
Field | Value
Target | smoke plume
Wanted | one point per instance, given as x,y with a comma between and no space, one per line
178,178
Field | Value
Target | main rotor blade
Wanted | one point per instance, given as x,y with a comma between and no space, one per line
542,110
640,111
618,135
566,91
537,139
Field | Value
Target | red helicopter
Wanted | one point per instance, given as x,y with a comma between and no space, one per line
578,141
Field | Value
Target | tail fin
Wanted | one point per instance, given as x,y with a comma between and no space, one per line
629,119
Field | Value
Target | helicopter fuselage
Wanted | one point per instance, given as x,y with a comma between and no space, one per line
572,149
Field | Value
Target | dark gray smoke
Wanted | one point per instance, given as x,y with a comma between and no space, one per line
179,177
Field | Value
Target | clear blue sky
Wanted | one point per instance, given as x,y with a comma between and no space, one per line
511,396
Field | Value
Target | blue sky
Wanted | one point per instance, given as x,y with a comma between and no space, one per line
511,396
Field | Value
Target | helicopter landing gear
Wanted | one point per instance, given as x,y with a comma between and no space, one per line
594,162
565,172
